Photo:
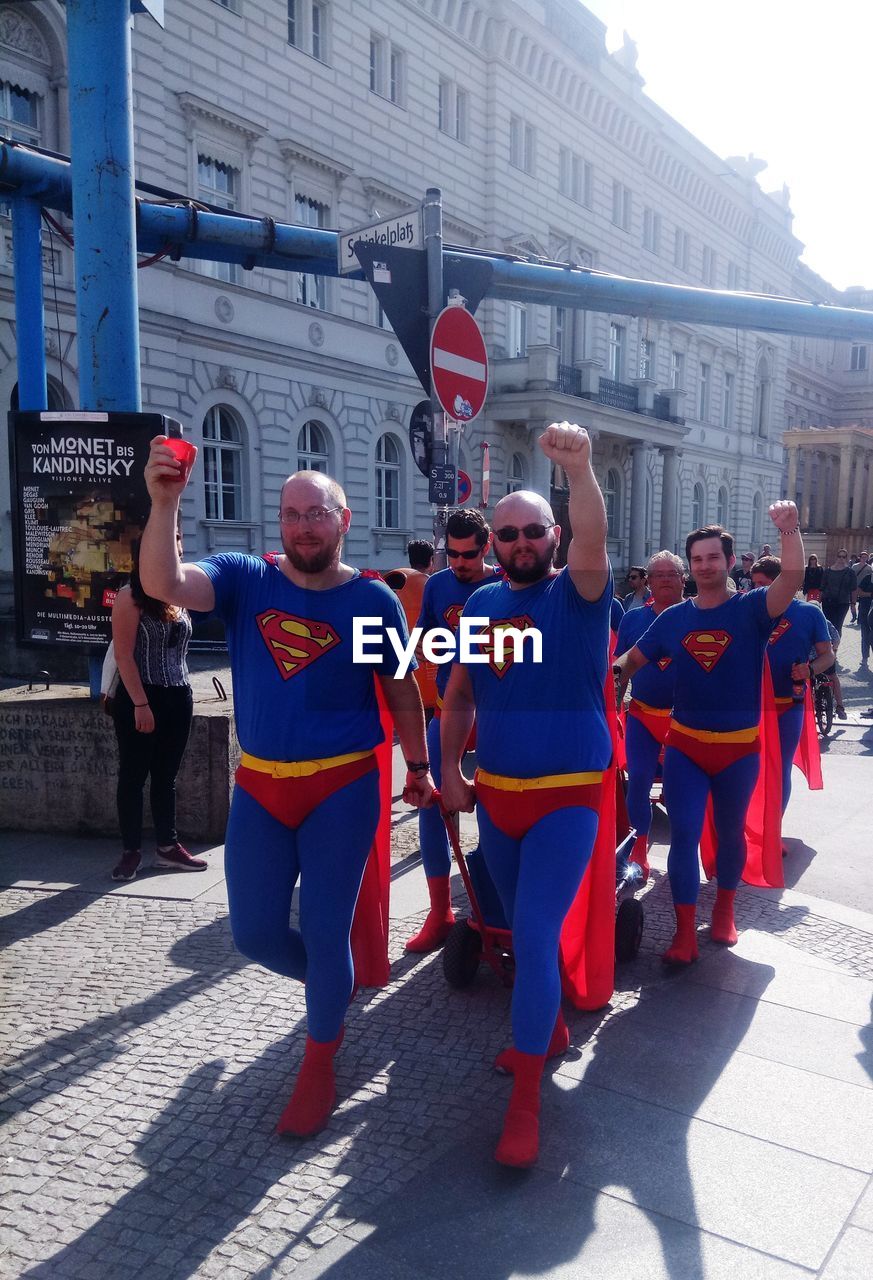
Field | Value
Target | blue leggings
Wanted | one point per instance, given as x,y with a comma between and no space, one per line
790,728
537,878
642,764
431,829
686,791
328,852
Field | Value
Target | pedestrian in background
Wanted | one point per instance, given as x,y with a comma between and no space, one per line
152,710
813,579
838,588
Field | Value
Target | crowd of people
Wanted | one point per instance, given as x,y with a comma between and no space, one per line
710,650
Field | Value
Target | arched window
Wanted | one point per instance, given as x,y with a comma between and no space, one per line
721,510
761,411
387,483
517,478
612,500
698,507
313,450
757,514
56,396
222,464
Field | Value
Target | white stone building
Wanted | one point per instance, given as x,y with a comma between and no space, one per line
330,113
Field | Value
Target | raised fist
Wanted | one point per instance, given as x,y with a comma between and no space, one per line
567,445
784,516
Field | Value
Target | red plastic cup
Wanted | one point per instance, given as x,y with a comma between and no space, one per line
184,452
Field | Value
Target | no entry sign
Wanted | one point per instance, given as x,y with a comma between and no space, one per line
459,364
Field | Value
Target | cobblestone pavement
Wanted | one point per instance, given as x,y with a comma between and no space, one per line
147,1064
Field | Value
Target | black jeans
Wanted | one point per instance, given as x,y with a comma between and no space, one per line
835,613
864,603
158,754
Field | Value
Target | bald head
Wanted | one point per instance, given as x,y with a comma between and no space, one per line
522,507
311,489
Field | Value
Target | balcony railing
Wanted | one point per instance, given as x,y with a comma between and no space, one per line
569,380
618,394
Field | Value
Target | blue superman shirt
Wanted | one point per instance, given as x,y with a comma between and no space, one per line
534,718
718,656
800,628
654,683
297,693
442,605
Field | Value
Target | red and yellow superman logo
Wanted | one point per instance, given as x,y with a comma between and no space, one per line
452,616
664,663
707,647
781,627
496,625
295,643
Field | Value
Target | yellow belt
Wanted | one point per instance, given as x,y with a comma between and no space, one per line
651,711
711,735
782,702
439,701
299,768
501,783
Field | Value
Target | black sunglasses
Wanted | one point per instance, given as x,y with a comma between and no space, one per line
465,555
511,532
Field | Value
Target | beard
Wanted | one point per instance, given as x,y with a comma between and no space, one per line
536,564
313,558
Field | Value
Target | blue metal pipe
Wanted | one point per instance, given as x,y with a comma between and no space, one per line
282,246
101,120
29,309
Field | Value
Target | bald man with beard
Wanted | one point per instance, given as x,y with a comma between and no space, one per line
543,745
306,802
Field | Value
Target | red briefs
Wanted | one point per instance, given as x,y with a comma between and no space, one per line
290,790
655,719
713,751
783,705
515,805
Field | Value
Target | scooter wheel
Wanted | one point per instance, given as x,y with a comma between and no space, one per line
461,955
628,929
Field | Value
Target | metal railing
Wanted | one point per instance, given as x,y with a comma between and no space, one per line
662,408
569,380
618,394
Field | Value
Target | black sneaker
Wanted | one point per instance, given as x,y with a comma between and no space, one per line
179,859
128,866
841,712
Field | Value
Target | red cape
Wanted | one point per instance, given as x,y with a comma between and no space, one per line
764,816
588,935
370,924
807,757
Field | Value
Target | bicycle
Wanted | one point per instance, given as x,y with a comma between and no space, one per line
824,703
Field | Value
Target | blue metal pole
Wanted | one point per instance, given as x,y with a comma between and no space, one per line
29,311
101,135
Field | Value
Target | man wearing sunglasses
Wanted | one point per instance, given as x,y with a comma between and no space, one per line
543,744
306,803
468,540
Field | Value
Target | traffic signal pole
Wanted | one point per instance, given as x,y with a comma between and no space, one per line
433,246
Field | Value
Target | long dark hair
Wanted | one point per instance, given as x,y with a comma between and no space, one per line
157,609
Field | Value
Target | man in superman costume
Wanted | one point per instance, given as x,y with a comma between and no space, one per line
544,751
468,540
306,802
801,630
648,712
716,641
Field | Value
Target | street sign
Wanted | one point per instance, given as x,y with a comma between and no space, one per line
486,473
465,488
459,364
401,232
421,436
441,489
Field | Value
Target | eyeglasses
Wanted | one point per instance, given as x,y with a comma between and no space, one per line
317,515
465,555
511,532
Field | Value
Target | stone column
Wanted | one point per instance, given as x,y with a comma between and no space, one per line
646,389
669,482
637,540
868,506
809,464
860,465
791,493
819,517
589,378
540,467
542,366
844,486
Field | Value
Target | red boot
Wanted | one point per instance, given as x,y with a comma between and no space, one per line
640,854
314,1096
439,920
723,928
683,948
559,1044
519,1143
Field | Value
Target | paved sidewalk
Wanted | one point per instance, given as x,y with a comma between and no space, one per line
713,1123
